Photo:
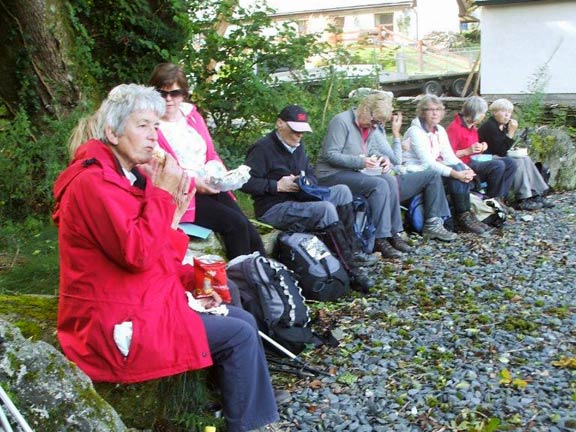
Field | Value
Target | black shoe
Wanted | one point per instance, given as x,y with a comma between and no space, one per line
543,201
364,259
528,204
282,396
360,281
386,249
400,244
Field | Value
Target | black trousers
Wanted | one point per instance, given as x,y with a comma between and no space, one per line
222,215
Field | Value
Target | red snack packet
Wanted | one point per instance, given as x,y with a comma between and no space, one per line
210,274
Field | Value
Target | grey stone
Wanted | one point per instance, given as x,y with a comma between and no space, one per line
50,392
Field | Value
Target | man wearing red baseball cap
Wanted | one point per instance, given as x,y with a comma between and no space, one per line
296,118
276,162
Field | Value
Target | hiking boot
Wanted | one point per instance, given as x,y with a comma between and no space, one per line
543,201
468,222
400,244
360,280
434,230
386,249
528,204
364,259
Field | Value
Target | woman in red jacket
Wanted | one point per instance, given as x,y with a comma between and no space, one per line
498,173
123,313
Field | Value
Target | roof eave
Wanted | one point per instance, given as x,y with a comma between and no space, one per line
388,5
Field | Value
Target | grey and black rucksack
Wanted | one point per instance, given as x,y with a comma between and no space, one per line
270,292
320,274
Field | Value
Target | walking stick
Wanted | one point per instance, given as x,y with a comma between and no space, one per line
15,413
291,355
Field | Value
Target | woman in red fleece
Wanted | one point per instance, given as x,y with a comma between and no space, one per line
123,313
498,173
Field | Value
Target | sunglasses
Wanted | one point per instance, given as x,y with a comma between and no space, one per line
172,93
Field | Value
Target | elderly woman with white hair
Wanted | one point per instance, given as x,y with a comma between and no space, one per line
498,172
123,311
498,132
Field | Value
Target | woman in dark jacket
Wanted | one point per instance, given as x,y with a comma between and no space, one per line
498,132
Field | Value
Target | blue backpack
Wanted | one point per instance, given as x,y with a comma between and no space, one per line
415,214
364,228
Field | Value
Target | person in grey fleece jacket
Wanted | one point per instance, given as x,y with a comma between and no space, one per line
356,146
427,147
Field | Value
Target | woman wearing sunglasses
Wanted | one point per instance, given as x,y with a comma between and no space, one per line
183,133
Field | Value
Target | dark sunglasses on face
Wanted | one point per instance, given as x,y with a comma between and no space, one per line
172,93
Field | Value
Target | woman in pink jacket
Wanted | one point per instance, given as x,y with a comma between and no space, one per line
183,134
123,313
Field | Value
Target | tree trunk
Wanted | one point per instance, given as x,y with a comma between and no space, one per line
37,57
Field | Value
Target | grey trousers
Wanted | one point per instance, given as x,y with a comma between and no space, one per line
430,184
527,180
306,216
383,197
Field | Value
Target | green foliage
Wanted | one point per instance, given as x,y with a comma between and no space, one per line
28,248
533,107
230,71
115,42
383,56
122,40
31,156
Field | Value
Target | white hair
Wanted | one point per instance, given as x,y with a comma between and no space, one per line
124,100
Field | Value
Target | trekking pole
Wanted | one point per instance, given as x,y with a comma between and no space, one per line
291,355
14,411
4,425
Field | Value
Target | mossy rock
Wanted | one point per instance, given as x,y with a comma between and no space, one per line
174,404
34,315
178,403
50,392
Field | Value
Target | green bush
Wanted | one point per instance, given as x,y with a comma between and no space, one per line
31,158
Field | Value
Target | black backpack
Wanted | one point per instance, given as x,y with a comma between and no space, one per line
319,273
271,294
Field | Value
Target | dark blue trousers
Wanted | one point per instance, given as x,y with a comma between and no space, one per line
498,175
458,191
247,394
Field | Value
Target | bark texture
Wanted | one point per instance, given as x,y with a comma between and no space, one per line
37,55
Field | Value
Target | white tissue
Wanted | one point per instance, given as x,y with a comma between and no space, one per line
123,337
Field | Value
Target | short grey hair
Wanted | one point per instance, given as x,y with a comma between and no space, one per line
426,100
124,100
501,105
474,108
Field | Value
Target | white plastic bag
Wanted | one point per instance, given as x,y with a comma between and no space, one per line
223,180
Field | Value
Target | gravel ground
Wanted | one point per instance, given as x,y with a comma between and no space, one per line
474,335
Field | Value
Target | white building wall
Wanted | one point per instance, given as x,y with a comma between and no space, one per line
519,39
436,16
